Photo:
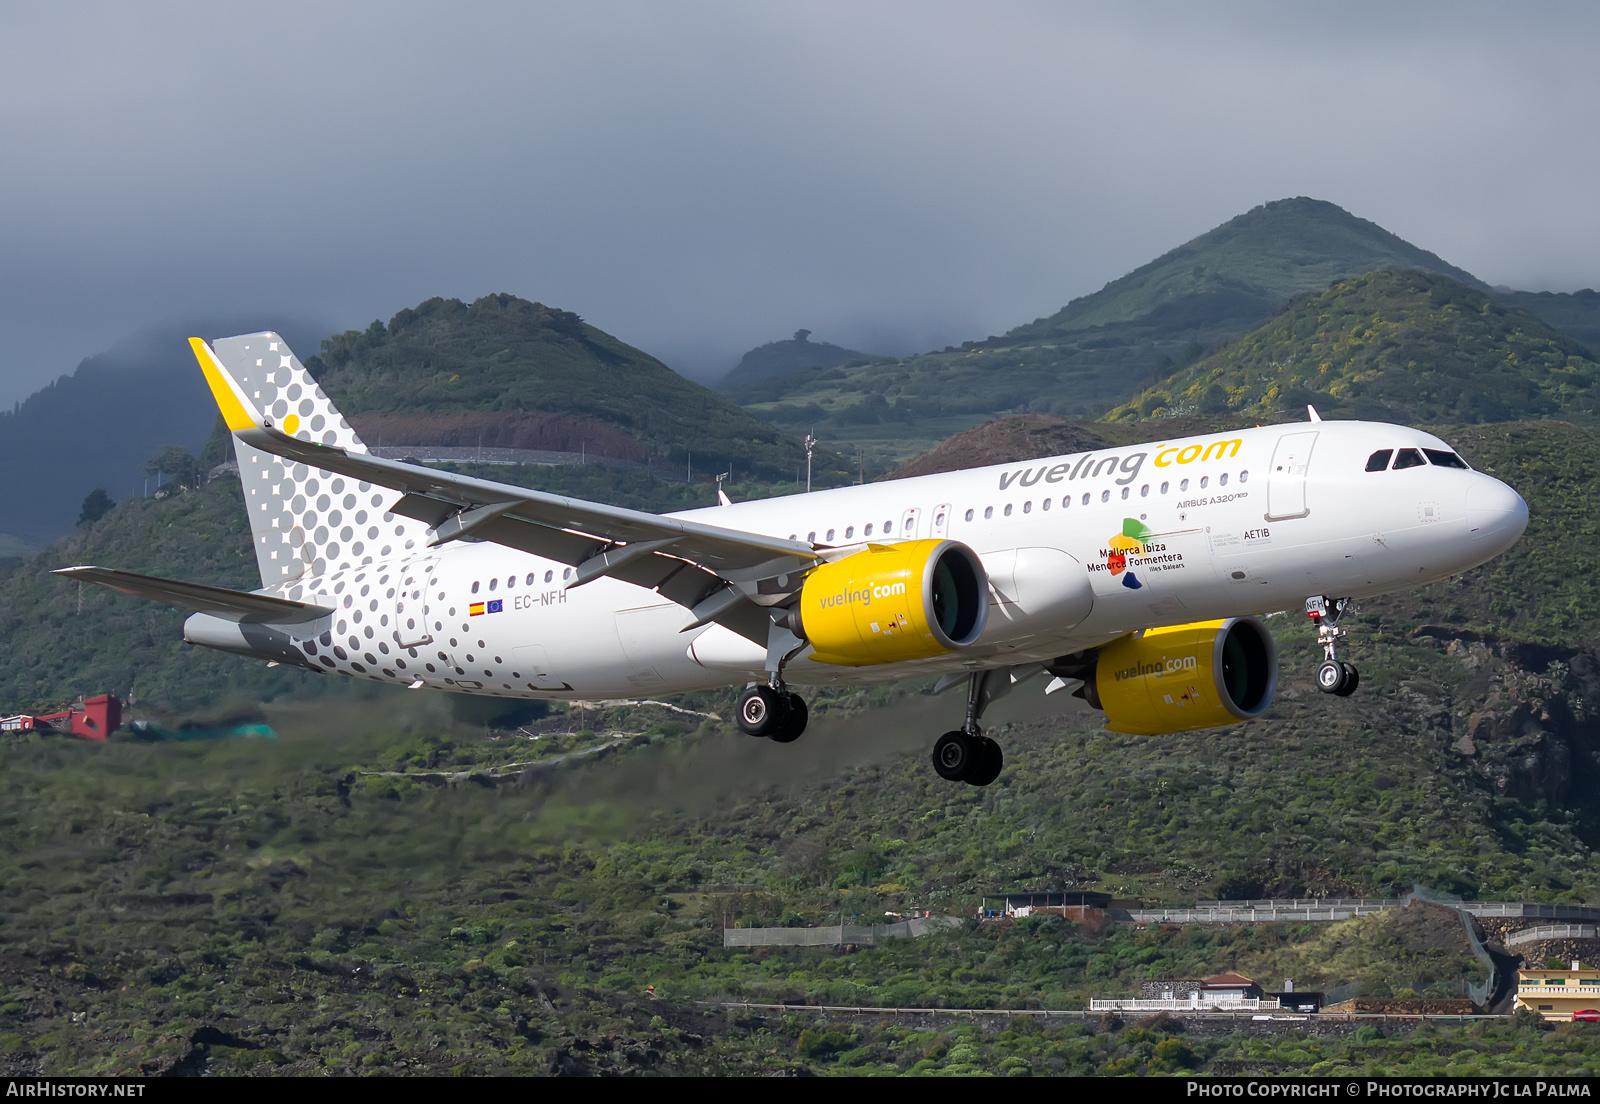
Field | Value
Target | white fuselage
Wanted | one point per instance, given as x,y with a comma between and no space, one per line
1227,524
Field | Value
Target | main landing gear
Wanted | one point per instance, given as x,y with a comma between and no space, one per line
967,755
1334,676
772,712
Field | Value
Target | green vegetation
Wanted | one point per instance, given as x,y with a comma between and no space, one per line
505,354
96,505
1389,346
64,640
383,889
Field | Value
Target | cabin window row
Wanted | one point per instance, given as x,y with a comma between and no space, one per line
849,533
533,577
1105,495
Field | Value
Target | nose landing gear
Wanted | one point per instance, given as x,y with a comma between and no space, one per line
966,754
1333,675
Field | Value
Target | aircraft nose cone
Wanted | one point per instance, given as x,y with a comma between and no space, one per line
1496,514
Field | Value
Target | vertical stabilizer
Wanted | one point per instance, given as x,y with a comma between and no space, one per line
304,521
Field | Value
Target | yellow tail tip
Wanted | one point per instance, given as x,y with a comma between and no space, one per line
237,412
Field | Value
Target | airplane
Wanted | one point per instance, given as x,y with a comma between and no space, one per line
1132,575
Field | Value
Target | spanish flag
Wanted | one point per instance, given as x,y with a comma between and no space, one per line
475,610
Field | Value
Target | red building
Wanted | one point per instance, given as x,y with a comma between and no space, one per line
94,719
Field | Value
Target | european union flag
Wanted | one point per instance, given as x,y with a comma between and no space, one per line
496,605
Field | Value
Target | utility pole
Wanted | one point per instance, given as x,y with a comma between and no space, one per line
811,443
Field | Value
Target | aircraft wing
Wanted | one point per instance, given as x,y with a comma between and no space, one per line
687,561
235,605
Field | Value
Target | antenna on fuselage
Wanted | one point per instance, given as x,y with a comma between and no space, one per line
1312,412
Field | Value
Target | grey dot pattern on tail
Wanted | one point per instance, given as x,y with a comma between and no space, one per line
307,523
321,537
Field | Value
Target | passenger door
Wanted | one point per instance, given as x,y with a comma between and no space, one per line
1286,482
411,606
417,609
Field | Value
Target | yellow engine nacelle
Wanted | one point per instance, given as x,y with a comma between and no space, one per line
894,602
1184,677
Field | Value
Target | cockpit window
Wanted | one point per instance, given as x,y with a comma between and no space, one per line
1408,458
1379,460
1441,459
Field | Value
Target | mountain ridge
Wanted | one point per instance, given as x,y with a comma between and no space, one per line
1268,254
1098,349
502,353
1407,346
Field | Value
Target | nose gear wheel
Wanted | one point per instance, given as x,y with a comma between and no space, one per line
1334,676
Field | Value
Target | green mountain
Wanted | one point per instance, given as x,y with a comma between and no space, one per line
1242,271
1097,349
1576,313
779,359
1389,346
508,356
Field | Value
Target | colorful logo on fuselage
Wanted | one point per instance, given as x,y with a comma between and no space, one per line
1134,538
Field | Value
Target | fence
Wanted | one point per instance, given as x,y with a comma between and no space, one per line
1332,909
1196,1004
1247,915
837,935
1302,902
1540,912
1552,931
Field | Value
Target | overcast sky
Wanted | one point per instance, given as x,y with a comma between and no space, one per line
698,178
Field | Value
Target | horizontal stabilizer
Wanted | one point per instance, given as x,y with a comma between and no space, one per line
233,605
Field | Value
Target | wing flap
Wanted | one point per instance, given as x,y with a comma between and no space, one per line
234,605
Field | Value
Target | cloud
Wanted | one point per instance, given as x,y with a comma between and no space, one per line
700,178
